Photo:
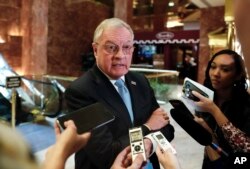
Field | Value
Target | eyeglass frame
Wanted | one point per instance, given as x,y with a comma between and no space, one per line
130,48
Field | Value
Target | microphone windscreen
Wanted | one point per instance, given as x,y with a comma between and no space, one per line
195,130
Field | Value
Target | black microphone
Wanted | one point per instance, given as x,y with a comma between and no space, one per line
195,130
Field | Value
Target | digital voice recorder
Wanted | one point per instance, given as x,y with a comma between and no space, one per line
163,142
136,142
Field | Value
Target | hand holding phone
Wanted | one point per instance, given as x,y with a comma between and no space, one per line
188,87
88,118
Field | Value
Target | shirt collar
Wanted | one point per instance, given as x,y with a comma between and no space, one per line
112,80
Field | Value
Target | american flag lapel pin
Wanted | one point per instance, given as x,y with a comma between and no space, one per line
133,82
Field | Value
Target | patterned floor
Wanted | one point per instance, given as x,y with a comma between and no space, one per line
38,135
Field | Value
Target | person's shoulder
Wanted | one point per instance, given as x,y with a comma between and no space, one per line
84,78
137,75
81,77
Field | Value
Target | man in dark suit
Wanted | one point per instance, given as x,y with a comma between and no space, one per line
113,48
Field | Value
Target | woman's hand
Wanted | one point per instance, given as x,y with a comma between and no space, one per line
209,106
205,104
203,123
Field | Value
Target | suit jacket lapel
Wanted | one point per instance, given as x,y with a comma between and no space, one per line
108,92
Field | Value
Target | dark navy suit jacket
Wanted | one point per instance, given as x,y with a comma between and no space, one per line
108,141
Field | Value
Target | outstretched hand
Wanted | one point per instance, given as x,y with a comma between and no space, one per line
67,143
167,159
69,139
124,160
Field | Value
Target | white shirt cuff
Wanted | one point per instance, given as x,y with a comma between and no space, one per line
154,143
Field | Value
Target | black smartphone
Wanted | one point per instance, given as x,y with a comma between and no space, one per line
88,118
188,87
181,107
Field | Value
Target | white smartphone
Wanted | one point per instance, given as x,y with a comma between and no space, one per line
137,143
163,142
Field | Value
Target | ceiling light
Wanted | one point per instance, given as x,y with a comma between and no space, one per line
174,21
172,24
2,39
171,3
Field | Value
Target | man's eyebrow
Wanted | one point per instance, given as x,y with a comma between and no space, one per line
128,42
109,41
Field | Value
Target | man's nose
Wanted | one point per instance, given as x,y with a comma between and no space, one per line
119,53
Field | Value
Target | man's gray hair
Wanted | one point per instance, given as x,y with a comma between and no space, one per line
111,23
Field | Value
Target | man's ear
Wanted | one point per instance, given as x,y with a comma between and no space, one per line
94,46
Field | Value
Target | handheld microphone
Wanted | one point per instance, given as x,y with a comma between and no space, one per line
195,130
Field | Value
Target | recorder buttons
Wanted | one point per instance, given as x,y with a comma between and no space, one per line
137,148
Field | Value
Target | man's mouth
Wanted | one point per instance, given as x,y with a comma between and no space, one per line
118,65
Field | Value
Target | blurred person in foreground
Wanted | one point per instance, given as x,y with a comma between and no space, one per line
15,152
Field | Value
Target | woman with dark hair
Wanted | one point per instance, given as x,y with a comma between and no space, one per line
227,117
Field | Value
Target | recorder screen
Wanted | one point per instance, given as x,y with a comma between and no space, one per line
135,136
159,136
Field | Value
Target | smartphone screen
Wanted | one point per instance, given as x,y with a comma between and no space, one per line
88,118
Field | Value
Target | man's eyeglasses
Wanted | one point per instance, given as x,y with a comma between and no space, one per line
113,49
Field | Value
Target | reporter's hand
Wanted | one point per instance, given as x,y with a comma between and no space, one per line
210,152
205,104
158,119
203,123
69,141
167,159
209,106
124,160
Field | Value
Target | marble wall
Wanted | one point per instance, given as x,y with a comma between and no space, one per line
34,24
10,47
56,33
70,31
53,34
210,20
